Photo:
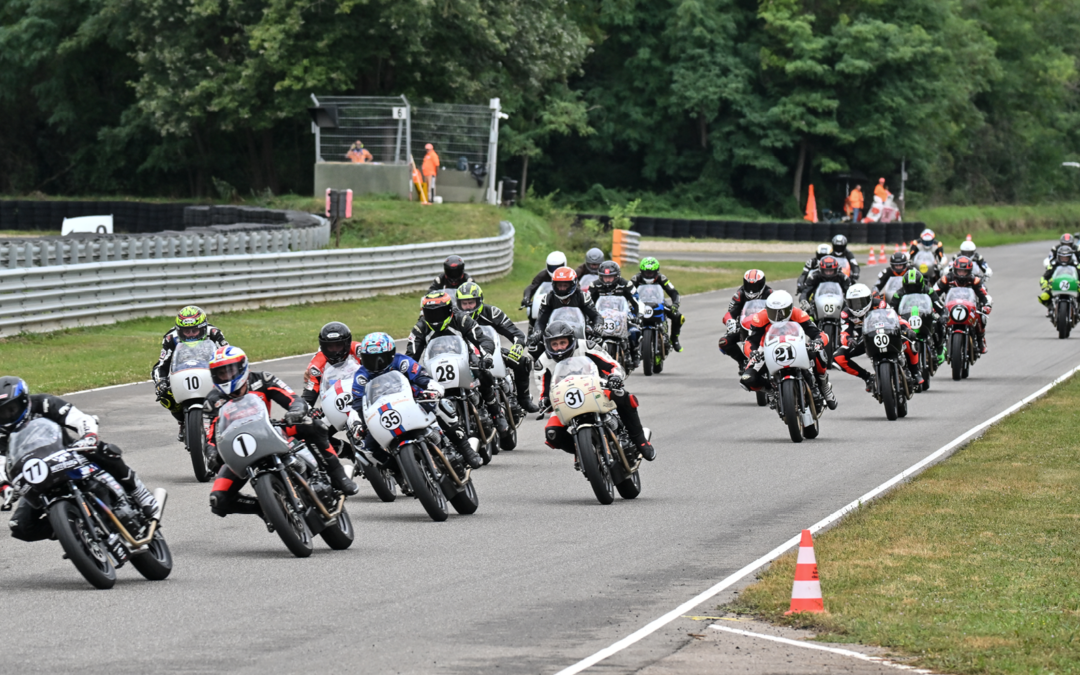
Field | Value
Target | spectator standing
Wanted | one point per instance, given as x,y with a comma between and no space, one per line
430,169
881,191
855,201
358,155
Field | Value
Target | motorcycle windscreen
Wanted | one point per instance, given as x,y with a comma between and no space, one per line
193,355
891,287
785,347
651,294
245,434
1064,281
571,316
924,261
615,303
960,294
575,365
38,434
447,361
498,370
749,310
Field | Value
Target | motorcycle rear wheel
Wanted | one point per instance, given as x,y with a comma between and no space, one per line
195,442
290,526
88,555
341,534
958,355
509,440
1064,325
156,564
592,464
467,501
887,386
790,401
924,363
381,481
648,358
423,484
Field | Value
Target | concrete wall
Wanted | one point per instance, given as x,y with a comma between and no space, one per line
451,185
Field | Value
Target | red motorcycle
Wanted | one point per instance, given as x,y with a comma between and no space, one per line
963,321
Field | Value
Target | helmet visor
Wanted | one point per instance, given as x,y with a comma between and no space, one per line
13,410
777,314
857,305
191,332
227,373
436,316
563,288
376,363
468,304
336,351
607,278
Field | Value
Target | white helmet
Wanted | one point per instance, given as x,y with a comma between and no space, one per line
859,299
555,260
967,247
824,249
779,306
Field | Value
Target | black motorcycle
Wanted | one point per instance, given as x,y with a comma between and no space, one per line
99,526
884,343
918,311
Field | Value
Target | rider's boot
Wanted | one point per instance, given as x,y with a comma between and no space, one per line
869,380
526,403
338,479
982,343
915,375
675,343
142,496
499,415
465,448
826,390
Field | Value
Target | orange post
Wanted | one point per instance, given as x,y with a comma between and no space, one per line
806,590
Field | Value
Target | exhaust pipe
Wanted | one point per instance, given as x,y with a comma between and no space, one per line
161,495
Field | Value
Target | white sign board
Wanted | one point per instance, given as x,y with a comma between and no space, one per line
94,224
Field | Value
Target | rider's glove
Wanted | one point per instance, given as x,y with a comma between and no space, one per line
1044,284
986,310
299,413
87,442
435,390
805,305
486,362
674,308
161,387
732,324
545,403
516,352
754,360
615,383
817,344
354,425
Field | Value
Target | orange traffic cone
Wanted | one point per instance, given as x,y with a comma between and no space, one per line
882,254
872,260
969,237
811,206
897,249
806,590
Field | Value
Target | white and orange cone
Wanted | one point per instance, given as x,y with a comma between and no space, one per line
806,591
882,254
872,260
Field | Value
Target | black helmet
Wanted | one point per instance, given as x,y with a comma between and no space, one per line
913,281
14,404
454,268
839,244
335,340
898,262
593,258
555,331
437,309
1065,255
963,268
610,269
753,284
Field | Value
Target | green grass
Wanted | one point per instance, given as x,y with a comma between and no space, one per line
691,277
995,225
970,568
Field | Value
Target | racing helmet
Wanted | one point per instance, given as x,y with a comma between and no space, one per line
779,306
438,310
454,268
191,324
927,237
824,250
650,268
377,352
859,299
1064,255
1068,240
967,248
963,268
913,282
609,272
14,404
335,341
593,258
555,260
830,267
898,263
470,298
229,371
564,283
753,284
839,245
557,331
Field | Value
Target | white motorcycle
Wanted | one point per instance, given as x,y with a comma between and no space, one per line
408,433
504,392
614,313
189,379
533,310
828,304
788,362
446,359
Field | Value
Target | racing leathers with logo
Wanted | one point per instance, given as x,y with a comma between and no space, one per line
962,275
860,301
753,287
162,369
650,274
615,285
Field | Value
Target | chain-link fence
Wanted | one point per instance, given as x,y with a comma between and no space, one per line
456,131
381,123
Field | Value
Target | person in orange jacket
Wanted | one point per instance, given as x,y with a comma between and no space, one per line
855,201
430,169
881,191
358,155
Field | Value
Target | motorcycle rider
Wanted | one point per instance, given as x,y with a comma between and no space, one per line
438,318
555,260
233,379
1063,256
779,307
968,249
565,292
840,250
962,275
927,241
650,274
753,287
192,325
610,282
899,263
1067,239
828,270
858,301
914,282
336,346
560,343
453,276
17,407
593,258
378,355
470,300
812,264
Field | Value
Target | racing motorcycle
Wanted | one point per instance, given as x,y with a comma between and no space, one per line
587,280
604,452
918,310
408,433
615,328
98,525
290,479
884,343
962,317
189,379
748,311
655,343
533,309
504,392
892,287
927,264
448,359
787,359
1064,287
828,304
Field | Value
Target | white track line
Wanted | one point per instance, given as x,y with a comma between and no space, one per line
823,648
685,607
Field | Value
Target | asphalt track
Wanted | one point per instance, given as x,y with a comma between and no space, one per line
542,575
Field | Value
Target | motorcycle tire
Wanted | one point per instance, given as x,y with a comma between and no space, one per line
195,442
924,363
423,484
630,487
475,428
833,332
887,383
592,464
467,501
1064,325
789,400
762,399
341,534
509,440
648,359
81,546
901,396
382,481
156,564
957,357
290,526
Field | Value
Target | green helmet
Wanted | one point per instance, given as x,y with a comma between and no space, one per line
650,267
191,324
912,280
467,292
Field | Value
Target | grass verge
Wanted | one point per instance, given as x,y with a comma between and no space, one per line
971,567
699,276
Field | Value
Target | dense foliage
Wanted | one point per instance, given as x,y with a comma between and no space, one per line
721,104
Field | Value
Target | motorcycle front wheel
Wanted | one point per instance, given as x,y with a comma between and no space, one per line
290,526
81,545
592,463
887,387
1064,325
648,358
423,484
382,481
958,355
195,441
789,399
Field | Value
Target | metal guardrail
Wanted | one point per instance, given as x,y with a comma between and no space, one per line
626,248
74,250
38,299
